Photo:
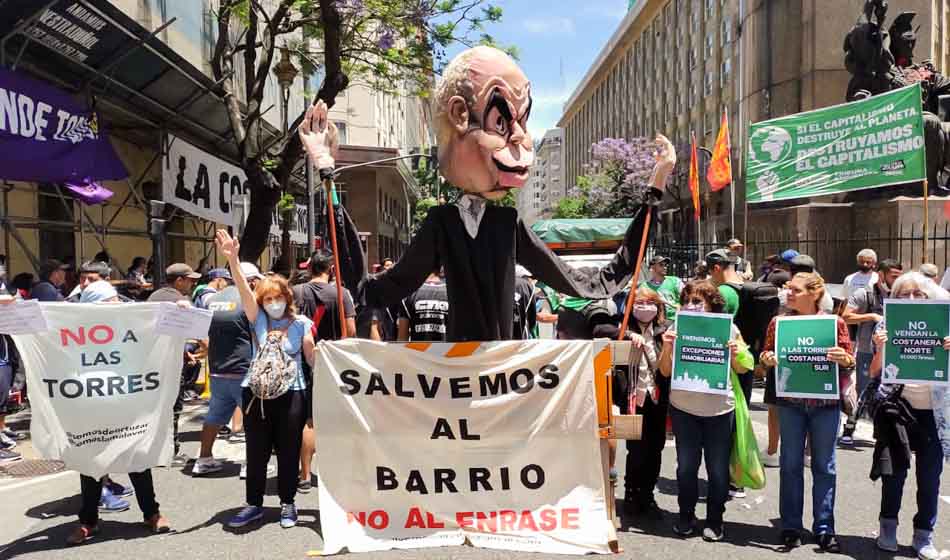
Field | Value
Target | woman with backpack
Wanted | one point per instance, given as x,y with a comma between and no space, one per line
274,394
930,441
816,420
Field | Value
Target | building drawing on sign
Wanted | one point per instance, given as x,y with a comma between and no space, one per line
781,382
698,384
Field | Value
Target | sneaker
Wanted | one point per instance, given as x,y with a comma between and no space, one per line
770,460
82,534
736,491
304,486
158,524
248,514
791,539
180,460
683,528
243,474
713,533
205,465
111,504
224,432
119,490
190,396
6,442
846,440
236,437
924,545
288,515
15,436
7,456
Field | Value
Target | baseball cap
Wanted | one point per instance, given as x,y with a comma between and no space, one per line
51,266
734,241
788,254
100,290
802,263
179,270
216,273
251,271
720,256
659,259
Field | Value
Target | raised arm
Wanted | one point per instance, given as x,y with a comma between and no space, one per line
230,248
412,269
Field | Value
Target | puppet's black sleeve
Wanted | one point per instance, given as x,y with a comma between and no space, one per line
420,259
591,283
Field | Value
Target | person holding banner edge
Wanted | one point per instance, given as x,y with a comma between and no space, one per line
275,424
703,423
928,441
815,419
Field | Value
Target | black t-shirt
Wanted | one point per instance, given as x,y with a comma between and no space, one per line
427,311
229,338
317,300
525,312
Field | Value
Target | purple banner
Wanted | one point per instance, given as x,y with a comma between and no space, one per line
47,136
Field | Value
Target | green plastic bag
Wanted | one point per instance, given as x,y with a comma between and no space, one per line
745,467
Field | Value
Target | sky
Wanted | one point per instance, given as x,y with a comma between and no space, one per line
557,41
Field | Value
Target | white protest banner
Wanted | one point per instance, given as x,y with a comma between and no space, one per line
202,184
102,386
432,444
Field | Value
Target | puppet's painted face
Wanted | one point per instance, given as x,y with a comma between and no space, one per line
491,149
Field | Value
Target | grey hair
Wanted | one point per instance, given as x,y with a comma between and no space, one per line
867,253
923,283
929,270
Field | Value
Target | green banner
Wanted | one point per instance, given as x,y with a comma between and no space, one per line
801,346
700,355
915,331
861,145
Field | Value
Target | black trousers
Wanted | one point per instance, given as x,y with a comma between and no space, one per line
189,375
644,456
277,427
92,492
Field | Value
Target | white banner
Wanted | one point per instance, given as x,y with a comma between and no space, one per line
432,444
103,381
202,184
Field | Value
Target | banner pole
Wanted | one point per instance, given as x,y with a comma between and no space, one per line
328,185
732,180
926,221
636,275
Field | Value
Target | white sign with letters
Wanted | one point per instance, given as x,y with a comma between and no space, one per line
201,184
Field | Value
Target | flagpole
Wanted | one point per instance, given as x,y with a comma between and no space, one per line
732,185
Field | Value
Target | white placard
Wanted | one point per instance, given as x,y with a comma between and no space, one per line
22,317
184,322
430,445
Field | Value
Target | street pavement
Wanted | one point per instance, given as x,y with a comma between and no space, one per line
37,514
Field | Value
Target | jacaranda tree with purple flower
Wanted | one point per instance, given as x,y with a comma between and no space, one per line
611,186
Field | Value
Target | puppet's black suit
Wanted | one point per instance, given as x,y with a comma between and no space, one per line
480,272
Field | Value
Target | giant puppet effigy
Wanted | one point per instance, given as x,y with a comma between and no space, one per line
482,105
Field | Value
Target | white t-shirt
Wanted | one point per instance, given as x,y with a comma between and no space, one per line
857,280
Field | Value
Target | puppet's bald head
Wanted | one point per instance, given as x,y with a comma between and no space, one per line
482,108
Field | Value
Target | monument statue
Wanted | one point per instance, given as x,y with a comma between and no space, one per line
880,61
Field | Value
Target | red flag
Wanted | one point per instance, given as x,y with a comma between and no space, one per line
694,174
719,174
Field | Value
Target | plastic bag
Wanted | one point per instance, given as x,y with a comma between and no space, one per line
745,467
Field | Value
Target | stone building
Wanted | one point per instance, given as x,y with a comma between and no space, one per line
538,199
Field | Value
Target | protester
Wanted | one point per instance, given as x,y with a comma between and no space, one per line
743,267
703,423
22,283
722,272
422,315
767,267
927,439
865,308
89,272
95,490
781,271
9,363
52,279
137,271
317,299
929,270
865,275
229,357
668,287
814,419
525,316
218,280
648,394
274,424
804,263
180,279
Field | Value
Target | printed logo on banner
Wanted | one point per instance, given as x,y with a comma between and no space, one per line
491,442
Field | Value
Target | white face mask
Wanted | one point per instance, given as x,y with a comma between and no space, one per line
698,307
275,309
644,313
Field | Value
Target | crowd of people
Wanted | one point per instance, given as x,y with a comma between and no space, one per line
250,307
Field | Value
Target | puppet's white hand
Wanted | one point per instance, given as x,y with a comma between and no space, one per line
319,136
665,162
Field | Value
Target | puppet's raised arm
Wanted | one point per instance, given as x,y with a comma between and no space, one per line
591,283
412,269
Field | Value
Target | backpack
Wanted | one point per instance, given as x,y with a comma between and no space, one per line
273,370
758,303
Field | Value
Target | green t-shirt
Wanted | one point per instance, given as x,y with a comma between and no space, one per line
731,296
669,289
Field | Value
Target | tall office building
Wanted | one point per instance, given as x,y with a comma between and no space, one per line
538,199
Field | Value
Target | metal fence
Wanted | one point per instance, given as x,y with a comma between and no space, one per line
833,250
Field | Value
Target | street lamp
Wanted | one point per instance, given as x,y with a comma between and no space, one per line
286,73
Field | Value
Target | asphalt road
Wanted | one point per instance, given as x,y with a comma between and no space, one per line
37,515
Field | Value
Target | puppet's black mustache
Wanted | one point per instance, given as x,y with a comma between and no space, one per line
503,167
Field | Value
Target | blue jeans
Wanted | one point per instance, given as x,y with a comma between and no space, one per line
696,436
929,456
820,424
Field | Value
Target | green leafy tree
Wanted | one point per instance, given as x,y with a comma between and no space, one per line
392,45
